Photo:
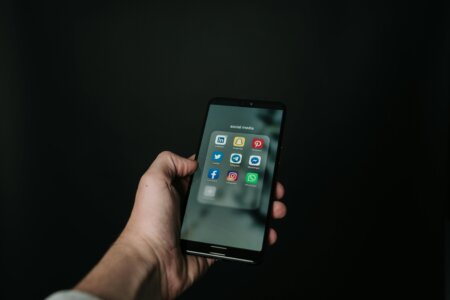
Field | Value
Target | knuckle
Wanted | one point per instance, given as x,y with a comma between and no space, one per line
165,154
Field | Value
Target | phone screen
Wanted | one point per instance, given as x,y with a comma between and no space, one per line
230,193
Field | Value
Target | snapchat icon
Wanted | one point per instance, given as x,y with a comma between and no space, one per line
239,141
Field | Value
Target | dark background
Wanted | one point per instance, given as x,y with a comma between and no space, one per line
90,93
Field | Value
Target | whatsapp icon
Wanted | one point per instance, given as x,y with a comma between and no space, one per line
251,178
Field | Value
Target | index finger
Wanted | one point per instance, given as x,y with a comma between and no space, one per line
279,191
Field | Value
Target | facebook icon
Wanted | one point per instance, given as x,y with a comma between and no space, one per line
213,173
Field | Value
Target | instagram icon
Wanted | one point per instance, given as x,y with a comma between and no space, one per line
232,176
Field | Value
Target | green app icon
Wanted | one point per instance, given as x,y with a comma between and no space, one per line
251,178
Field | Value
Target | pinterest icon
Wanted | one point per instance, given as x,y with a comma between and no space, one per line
257,143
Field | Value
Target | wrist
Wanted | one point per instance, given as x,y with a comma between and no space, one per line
146,263
139,251
152,260
139,268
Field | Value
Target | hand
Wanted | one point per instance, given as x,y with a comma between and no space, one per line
152,232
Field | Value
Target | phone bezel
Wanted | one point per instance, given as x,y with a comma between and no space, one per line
225,252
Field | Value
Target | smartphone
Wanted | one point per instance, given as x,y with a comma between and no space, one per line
229,198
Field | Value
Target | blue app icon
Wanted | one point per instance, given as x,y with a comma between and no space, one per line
217,156
235,158
254,160
213,173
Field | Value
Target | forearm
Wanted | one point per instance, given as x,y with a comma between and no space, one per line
125,272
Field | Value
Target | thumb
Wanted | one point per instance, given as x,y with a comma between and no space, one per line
171,165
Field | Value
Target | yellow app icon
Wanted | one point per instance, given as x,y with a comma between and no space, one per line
239,141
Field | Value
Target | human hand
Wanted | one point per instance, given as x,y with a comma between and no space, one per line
156,220
152,232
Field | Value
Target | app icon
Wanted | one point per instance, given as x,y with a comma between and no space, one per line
257,143
254,160
213,173
221,139
251,178
209,191
232,176
239,141
235,158
217,156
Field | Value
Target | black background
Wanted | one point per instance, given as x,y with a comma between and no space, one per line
91,93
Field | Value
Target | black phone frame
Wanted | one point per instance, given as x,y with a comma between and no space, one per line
226,252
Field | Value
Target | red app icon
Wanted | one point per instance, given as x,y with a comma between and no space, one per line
257,143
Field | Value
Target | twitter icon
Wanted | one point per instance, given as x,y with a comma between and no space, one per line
217,156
